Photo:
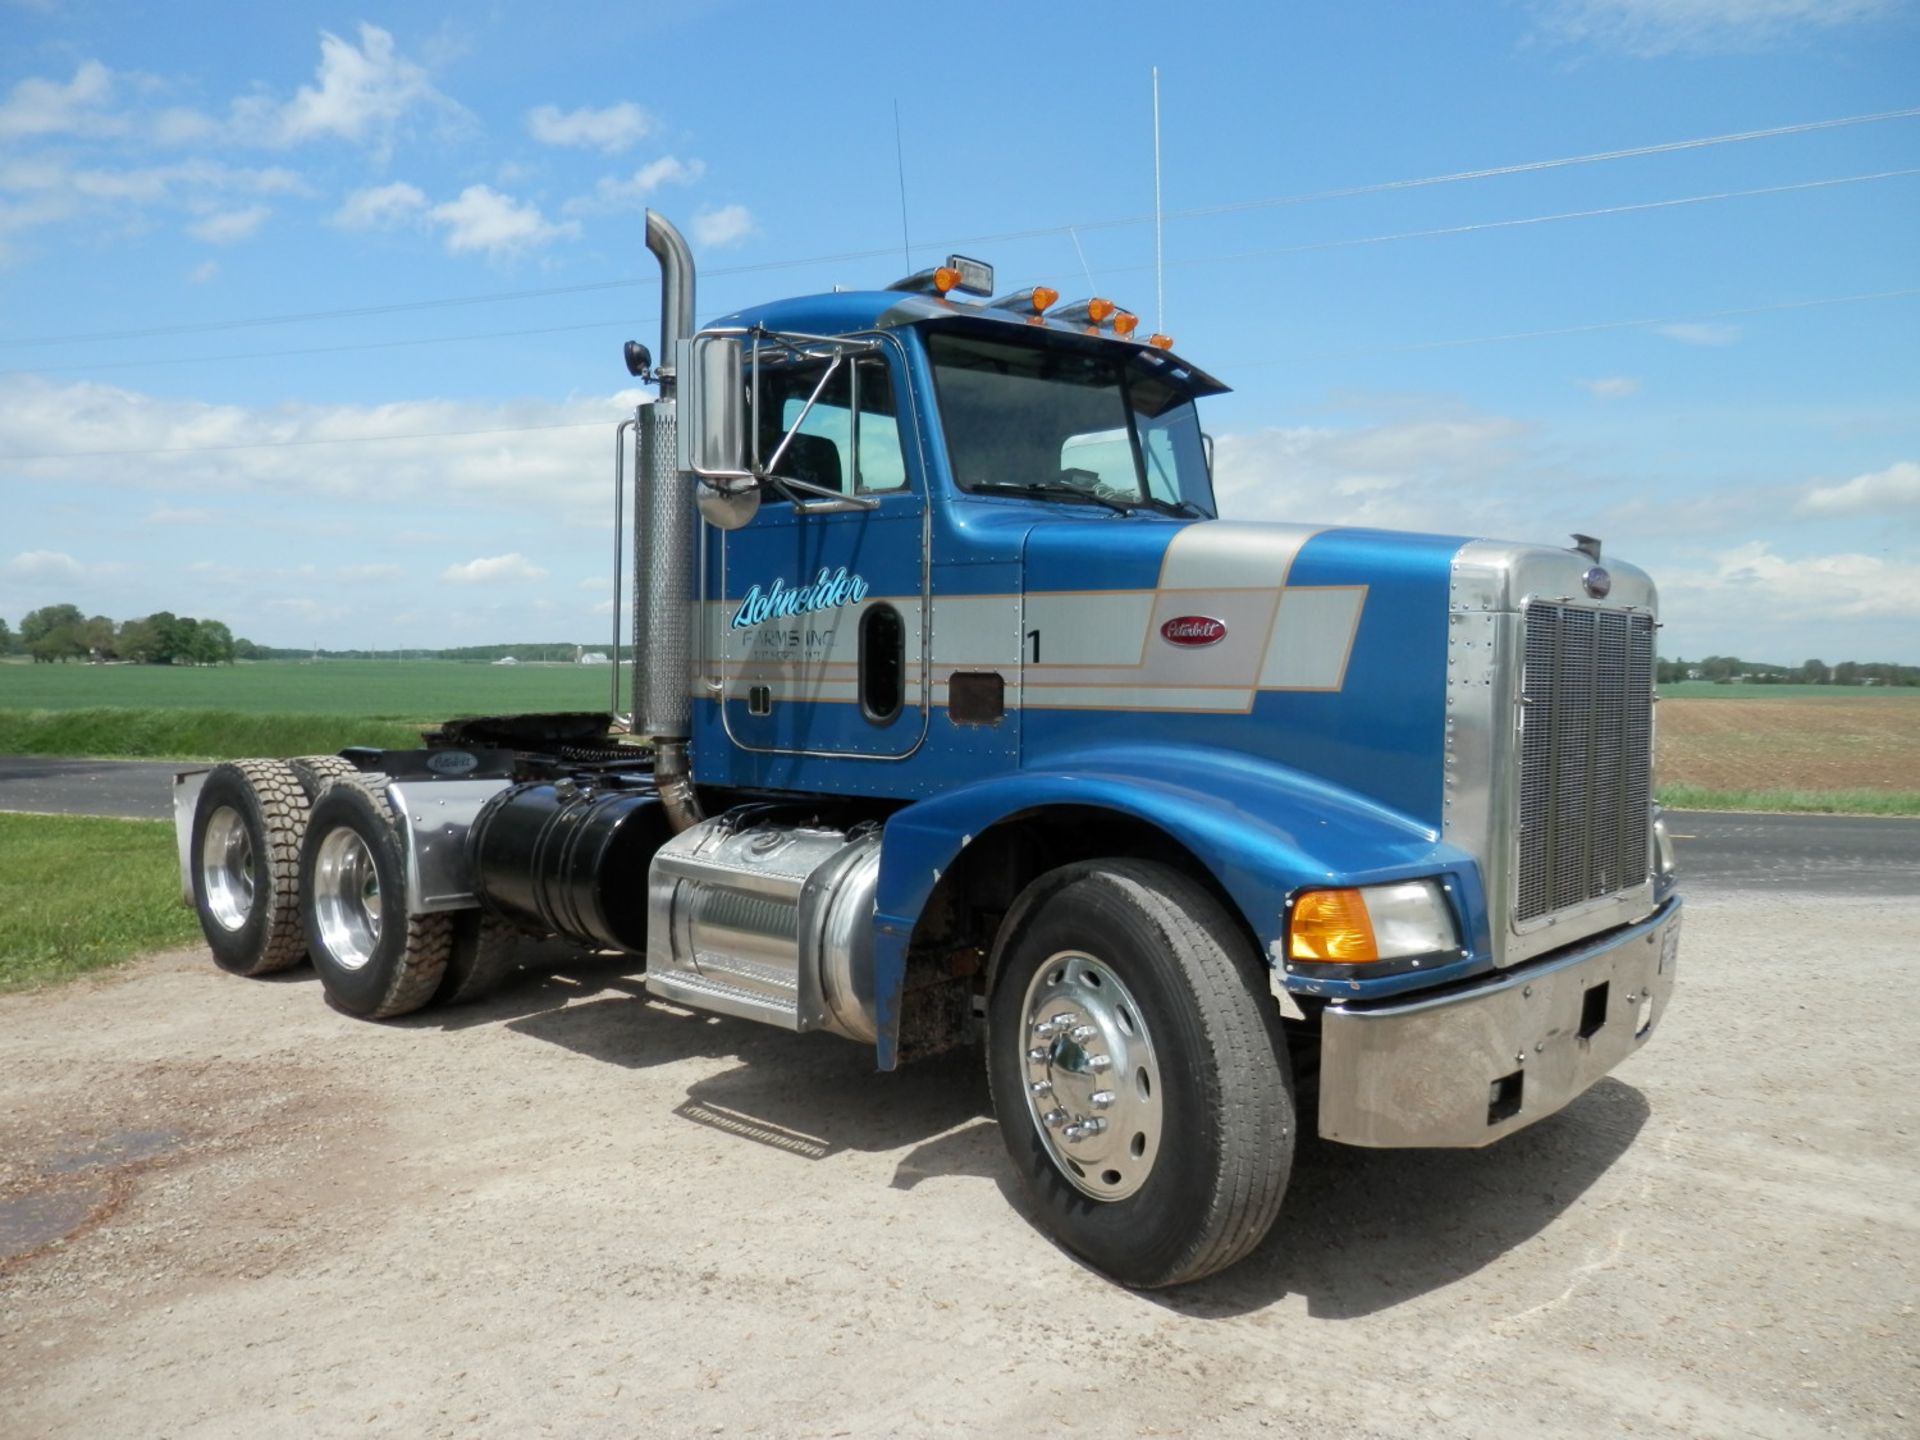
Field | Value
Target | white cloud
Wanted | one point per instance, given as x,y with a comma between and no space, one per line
203,272
379,206
228,227
490,569
483,219
360,93
374,572
36,107
1662,27
45,565
611,194
1895,488
1750,579
1611,387
727,225
1709,333
168,515
612,129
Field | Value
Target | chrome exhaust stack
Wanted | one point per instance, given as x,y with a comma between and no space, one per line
665,531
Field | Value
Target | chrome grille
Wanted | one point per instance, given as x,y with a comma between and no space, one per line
1586,761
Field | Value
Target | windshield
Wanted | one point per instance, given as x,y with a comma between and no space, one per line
1068,424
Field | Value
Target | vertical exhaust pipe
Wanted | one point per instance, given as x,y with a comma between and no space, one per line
665,531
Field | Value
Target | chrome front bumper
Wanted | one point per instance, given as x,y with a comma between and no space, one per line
1468,1067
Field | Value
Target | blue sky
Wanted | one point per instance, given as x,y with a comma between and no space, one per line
1726,388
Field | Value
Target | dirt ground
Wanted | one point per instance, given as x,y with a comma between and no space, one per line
234,1212
1839,742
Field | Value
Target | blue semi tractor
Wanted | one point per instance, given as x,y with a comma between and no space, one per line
958,717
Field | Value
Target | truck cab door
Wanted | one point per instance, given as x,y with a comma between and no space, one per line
821,642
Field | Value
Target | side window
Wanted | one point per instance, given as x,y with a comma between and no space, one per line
821,451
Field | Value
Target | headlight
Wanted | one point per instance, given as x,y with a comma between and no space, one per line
1374,922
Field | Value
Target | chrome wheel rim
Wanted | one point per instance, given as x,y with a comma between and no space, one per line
226,868
346,898
1092,1078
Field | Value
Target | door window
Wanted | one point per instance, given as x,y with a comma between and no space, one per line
821,451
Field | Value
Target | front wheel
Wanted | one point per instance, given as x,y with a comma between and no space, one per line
1138,1072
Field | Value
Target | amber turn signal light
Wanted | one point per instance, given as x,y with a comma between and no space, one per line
1160,342
1098,310
945,278
1125,323
1331,926
1043,299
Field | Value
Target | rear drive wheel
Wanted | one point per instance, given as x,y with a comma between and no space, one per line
316,772
374,959
1138,1073
484,952
244,853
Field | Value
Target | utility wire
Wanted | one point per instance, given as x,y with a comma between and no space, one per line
1198,212
1240,255
1261,363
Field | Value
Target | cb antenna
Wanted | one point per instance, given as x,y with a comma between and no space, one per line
1159,263
900,160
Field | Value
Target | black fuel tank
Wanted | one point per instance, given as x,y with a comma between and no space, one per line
557,857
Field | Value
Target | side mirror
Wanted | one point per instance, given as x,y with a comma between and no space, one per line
713,426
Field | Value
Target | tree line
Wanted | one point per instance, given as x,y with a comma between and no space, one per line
1730,669
59,633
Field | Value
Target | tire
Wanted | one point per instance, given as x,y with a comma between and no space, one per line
316,772
1187,1173
484,952
244,854
375,960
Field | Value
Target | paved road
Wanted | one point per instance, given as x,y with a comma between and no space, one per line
1823,854
132,789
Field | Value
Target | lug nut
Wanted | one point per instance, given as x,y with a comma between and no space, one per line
1084,1129
1039,1054
1101,1099
1080,1034
1041,1088
1097,1063
1054,1119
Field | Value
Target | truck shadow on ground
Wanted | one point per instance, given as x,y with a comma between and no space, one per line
1361,1230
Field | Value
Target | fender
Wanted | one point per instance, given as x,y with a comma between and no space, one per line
1263,831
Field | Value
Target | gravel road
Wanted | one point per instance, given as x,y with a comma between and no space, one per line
571,1211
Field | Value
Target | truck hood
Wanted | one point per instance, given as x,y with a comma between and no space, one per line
1320,648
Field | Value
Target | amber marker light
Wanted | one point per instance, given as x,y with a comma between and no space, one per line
1043,299
945,278
1125,322
1160,342
1331,927
1098,310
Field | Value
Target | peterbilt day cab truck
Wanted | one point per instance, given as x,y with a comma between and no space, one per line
958,717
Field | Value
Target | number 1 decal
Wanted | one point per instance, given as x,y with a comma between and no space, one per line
1033,638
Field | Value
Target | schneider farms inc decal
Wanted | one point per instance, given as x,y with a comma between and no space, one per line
830,590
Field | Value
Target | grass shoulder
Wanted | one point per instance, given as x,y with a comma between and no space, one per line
1792,802
114,732
81,894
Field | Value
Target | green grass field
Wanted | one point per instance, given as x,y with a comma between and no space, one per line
426,690
1707,690
58,918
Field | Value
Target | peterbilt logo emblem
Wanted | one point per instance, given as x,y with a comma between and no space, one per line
452,762
1193,631
1598,582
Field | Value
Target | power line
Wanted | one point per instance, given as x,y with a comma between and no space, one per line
1264,362
1191,213
315,440
1265,253
1594,327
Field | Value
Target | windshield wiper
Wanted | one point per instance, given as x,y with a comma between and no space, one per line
1052,487
1175,507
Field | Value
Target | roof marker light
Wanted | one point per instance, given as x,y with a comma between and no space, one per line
945,278
1035,301
1094,312
1160,342
1124,323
